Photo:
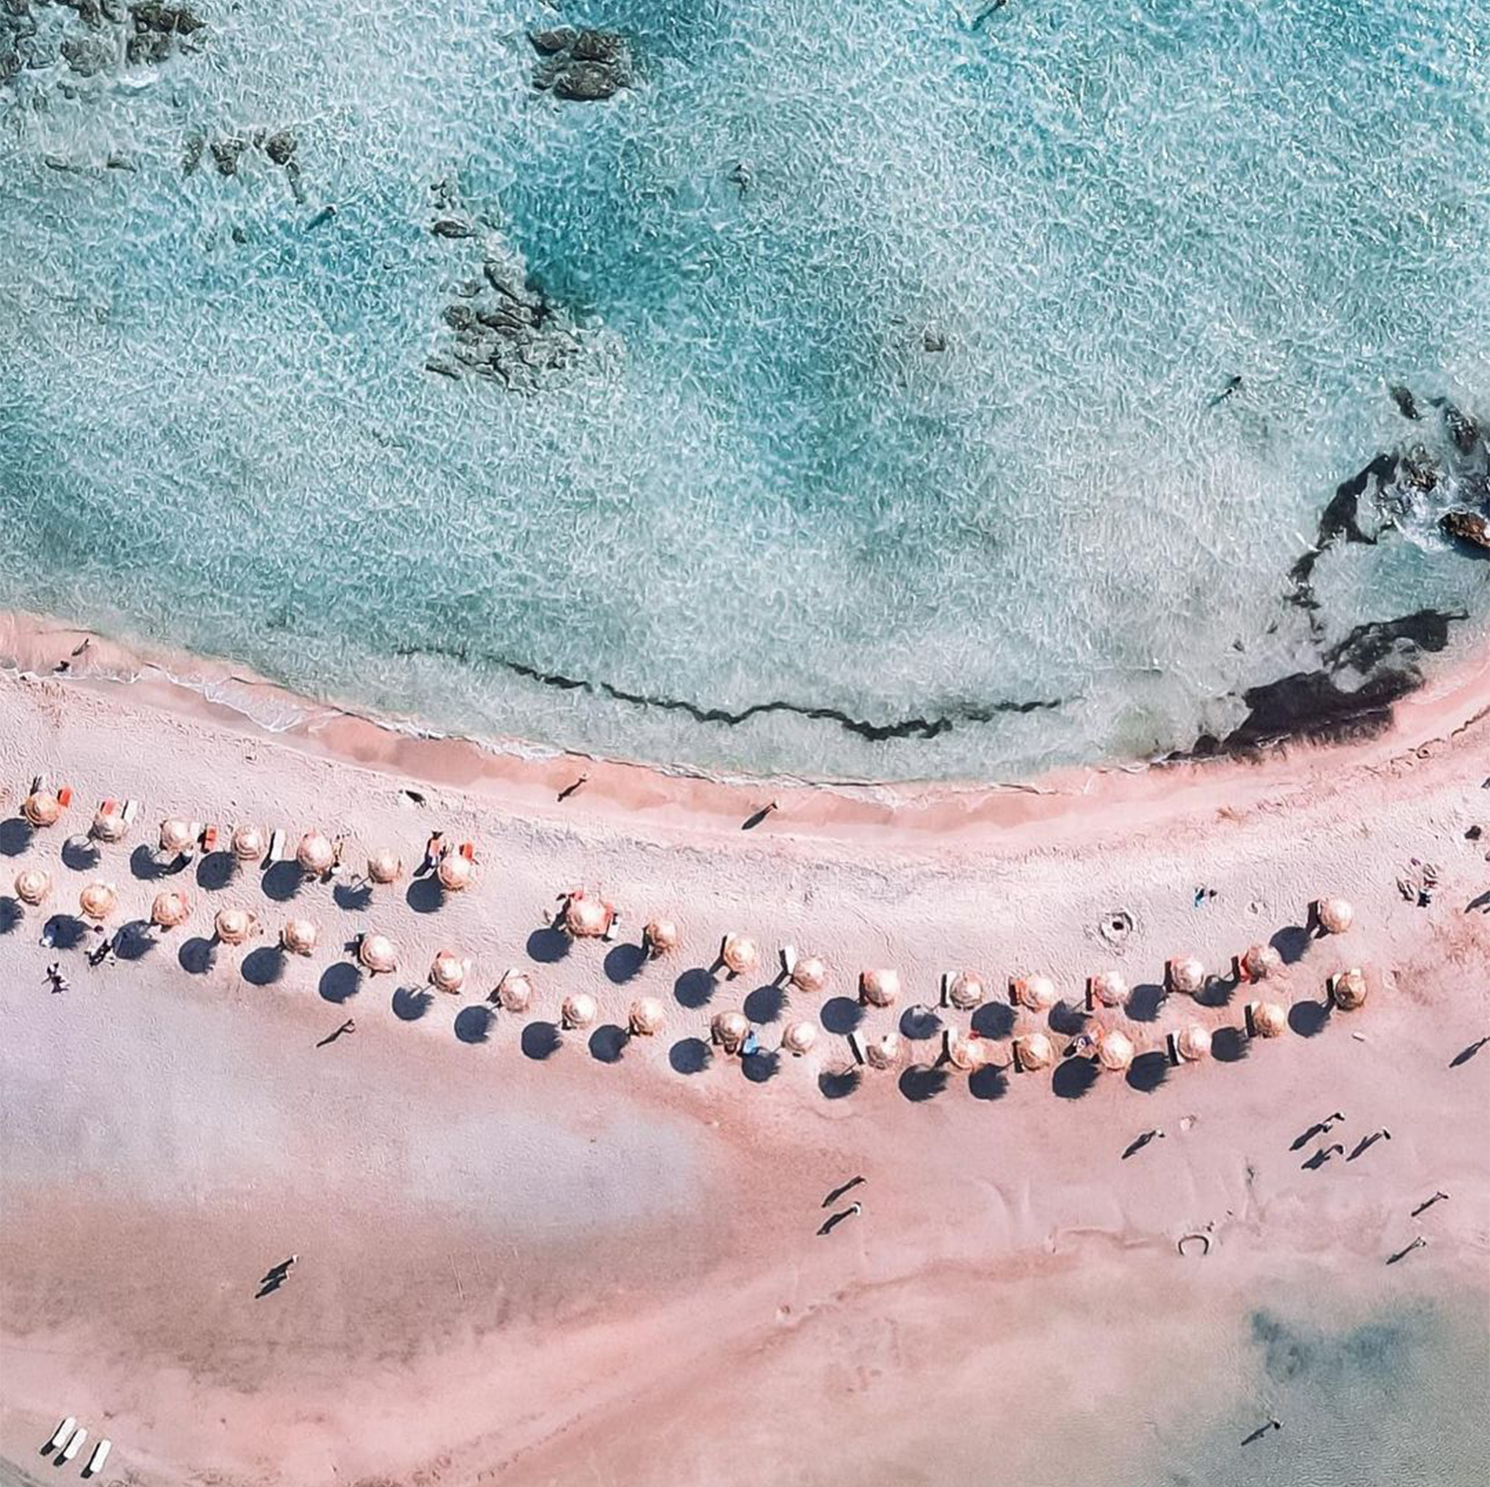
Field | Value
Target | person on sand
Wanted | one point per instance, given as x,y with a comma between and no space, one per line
55,979
1139,1142
104,951
1367,1142
1423,1207
831,1223
434,850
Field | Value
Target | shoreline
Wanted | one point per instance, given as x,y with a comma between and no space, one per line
530,778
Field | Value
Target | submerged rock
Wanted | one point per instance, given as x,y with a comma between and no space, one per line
581,66
87,55
280,147
226,153
586,82
558,39
451,227
1466,526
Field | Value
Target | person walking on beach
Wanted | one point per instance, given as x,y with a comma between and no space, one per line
434,849
349,1026
831,1223
55,979
1424,1206
1367,1142
1139,1142
103,951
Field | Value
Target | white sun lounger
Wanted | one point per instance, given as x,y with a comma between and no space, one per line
946,982
788,959
97,1459
75,1444
856,1047
61,1433
130,811
277,844
613,928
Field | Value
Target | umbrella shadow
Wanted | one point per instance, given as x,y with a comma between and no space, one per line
1229,1045
425,895
11,914
922,1082
197,956
690,1056
134,940
1067,1018
548,945
16,835
1217,991
353,897
340,982
143,863
473,1024
541,1040
1146,1002
215,871
1308,1018
839,1084
841,1015
1148,1071
624,962
920,1024
608,1043
1292,943
80,853
65,931
761,1066
988,1083
993,1020
283,881
264,966
410,1003
693,989
766,1004
1074,1077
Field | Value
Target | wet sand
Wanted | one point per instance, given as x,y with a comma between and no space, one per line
555,1269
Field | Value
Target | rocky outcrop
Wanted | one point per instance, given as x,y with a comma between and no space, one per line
100,37
581,66
1466,526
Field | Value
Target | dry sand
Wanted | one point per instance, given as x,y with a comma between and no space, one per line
532,1270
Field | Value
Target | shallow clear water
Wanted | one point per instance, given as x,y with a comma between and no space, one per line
891,343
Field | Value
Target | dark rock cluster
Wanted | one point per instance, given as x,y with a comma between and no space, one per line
156,29
105,35
278,147
582,66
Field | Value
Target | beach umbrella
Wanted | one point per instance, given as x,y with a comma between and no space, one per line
1109,989
730,1029
882,1052
247,844
1033,1051
739,954
234,926
41,808
455,872
176,836
647,1016
799,1037
169,909
97,901
879,988
109,824
515,991
377,954
660,937
1336,915
809,974
1035,992
1260,962
447,973
384,866
968,1054
1193,1043
1348,989
579,1010
315,854
1186,975
33,884
1269,1020
1115,1051
587,918
298,936
965,991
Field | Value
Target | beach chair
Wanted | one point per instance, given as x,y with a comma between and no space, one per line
946,985
788,960
75,1445
613,928
277,844
468,851
131,810
856,1047
208,837
61,1433
97,1459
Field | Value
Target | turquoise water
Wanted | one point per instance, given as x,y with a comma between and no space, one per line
877,374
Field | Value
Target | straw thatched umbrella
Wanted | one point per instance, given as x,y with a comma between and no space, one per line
799,1037
1186,975
384,866
1335,915
1259,962
882,1052
1034,1051
1035,992
739,954
455,872
967,1053
33,884
587,918
41,808
659,937
515,991
879,988
1115,1051
1193,1043
965,991
234,926
579,1011
247,844
809,974
298,936
1269,1020
377,954
109,825
176,836
730,1030
315,854
1108,989
447,973
647,1016
170,909
1348,989
98,901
